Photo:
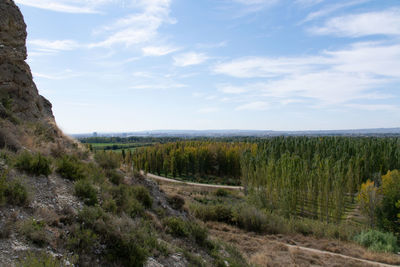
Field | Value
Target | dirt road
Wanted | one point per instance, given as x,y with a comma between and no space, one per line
164,179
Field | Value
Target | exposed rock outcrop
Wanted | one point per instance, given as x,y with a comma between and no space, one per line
26,117
18,91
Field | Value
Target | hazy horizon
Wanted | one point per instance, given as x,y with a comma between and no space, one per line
137,65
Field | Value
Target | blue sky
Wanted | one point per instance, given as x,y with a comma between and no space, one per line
127,65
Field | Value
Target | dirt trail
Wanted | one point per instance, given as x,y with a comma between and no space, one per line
164,179
373,263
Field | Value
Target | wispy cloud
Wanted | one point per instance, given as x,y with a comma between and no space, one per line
66,74
159,50
374,107
189,59
137,28
356,25
207,110
66,6
257,105
307,3
230,89
333,77
53,46
327,10
158,86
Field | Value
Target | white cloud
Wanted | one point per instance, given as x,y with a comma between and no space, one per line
333,77
308,2
158,50
189,59
331,8
230,89
256,2
267,67
257,105
66,6
208,110
157,86
374,107
356,25
53,46
138,28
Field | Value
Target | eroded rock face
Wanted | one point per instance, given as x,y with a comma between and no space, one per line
18,92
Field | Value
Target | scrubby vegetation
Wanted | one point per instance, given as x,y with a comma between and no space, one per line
86,191
378,241
71,168
12,192
35,164
34,230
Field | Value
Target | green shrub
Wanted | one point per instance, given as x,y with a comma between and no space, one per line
35,164
35,231
16,194
108,160
179,227
176,227
176,201
115,177
250,218
110,205
71,168
86,191
40,260
220,192
142,194
82,239
199,233
127,201
220,213
378,241
130,242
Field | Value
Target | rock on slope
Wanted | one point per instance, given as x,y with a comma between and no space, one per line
23,112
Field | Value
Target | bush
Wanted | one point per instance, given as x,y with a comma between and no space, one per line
82,239
115,177
142,194
43,259
71,168
33,164
220,192
220,213
250,218
127,201
34,231
378,241
16,194
176,201
181,228
199,233
108,160
86,191
130,242
176,227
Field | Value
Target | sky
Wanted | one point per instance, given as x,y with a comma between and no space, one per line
131,65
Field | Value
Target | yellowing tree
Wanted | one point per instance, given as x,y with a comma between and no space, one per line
388,210
368,199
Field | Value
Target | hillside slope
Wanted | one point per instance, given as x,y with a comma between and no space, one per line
62,206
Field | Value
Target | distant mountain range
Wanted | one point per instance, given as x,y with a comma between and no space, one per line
253,133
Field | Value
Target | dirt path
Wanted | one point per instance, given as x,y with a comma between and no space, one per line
164,179
317,251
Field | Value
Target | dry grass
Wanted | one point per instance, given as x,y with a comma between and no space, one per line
270,250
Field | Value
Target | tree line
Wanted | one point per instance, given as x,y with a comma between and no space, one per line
315,176
191,159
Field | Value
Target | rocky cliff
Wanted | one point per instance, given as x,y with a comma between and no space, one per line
20,102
